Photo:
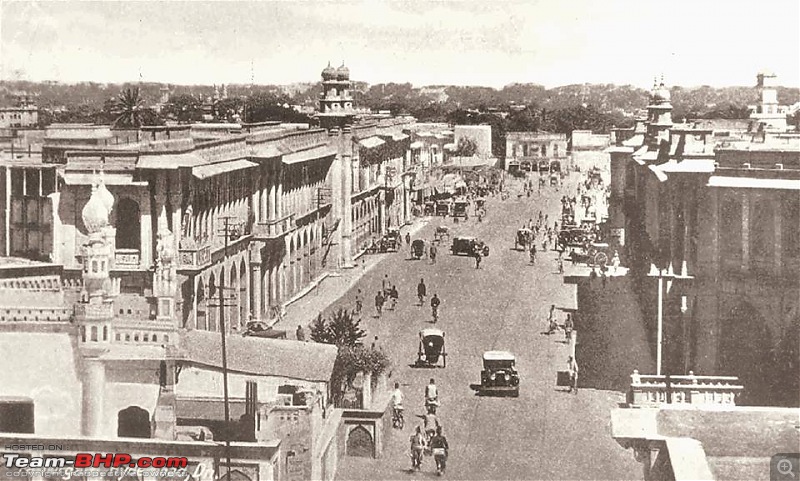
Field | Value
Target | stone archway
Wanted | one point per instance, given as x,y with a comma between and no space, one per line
133,422
360,443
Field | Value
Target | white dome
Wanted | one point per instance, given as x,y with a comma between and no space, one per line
95,213
106,196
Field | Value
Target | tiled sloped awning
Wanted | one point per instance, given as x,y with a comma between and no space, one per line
371,142
88,178
314,153
206,171
169,161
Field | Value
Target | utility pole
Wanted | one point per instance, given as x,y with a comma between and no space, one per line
227,231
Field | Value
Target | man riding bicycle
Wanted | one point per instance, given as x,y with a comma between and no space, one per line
435,307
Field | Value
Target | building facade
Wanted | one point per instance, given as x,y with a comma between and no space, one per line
721,211
535,151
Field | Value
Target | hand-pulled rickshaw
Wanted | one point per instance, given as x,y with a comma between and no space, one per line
417,248
443,208
480,205
592,255
523,239
431,348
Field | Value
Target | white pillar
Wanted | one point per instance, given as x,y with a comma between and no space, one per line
93,397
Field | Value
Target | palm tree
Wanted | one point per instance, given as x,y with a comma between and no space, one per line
129,108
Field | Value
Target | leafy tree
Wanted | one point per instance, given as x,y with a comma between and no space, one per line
352,360
466,147
184,108
344,329
319,331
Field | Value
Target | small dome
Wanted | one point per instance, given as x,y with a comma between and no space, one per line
342,73
106,196
661,95
328,73
95,213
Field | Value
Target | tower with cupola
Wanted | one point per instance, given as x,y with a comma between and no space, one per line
768,115
659,114
336,100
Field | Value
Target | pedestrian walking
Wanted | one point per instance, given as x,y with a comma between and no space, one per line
615,262
385,285
393,296
359,301
478,258
572,367
408,238
432,253
560,265
568,327
417,448
300,334
422,291
379,300
440,449
552,326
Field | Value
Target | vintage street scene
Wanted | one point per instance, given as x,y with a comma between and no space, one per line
355,240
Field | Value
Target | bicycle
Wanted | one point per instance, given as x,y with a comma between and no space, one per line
435,313
398,422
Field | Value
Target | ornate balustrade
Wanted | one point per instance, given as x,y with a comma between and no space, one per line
651,390
126,259
274,228
35,314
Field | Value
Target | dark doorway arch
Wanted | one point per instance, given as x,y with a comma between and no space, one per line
744,351
360,443
128,225
133,422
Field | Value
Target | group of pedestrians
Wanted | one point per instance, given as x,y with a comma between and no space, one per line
428,438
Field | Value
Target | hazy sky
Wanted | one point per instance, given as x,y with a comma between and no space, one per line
492,43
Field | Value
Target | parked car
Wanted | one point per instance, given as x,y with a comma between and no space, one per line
443,208
499,374
468,245
461,209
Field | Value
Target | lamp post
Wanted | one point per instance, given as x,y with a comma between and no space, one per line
670,276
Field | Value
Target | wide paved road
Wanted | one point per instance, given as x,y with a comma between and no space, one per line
546,433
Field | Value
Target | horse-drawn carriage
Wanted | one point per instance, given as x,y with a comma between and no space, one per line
594,254
441,233
523,239
431,348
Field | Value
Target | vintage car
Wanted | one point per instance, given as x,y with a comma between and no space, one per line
595,254
499,374
417,248
443,208
523,239
430,208
468,245
461,209
431,348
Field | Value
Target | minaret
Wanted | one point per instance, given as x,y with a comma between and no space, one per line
659,115
768,112
94,313
336,101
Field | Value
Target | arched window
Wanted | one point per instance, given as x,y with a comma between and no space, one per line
128,225
133,422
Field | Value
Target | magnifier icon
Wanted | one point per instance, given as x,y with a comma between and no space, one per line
785,467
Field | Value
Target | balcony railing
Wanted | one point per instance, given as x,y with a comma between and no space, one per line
94,312
272,229
126,259
652,391
194,256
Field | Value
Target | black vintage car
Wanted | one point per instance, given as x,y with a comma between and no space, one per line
499,374
468,245
418,248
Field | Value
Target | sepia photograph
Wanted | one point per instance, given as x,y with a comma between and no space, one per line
364,240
